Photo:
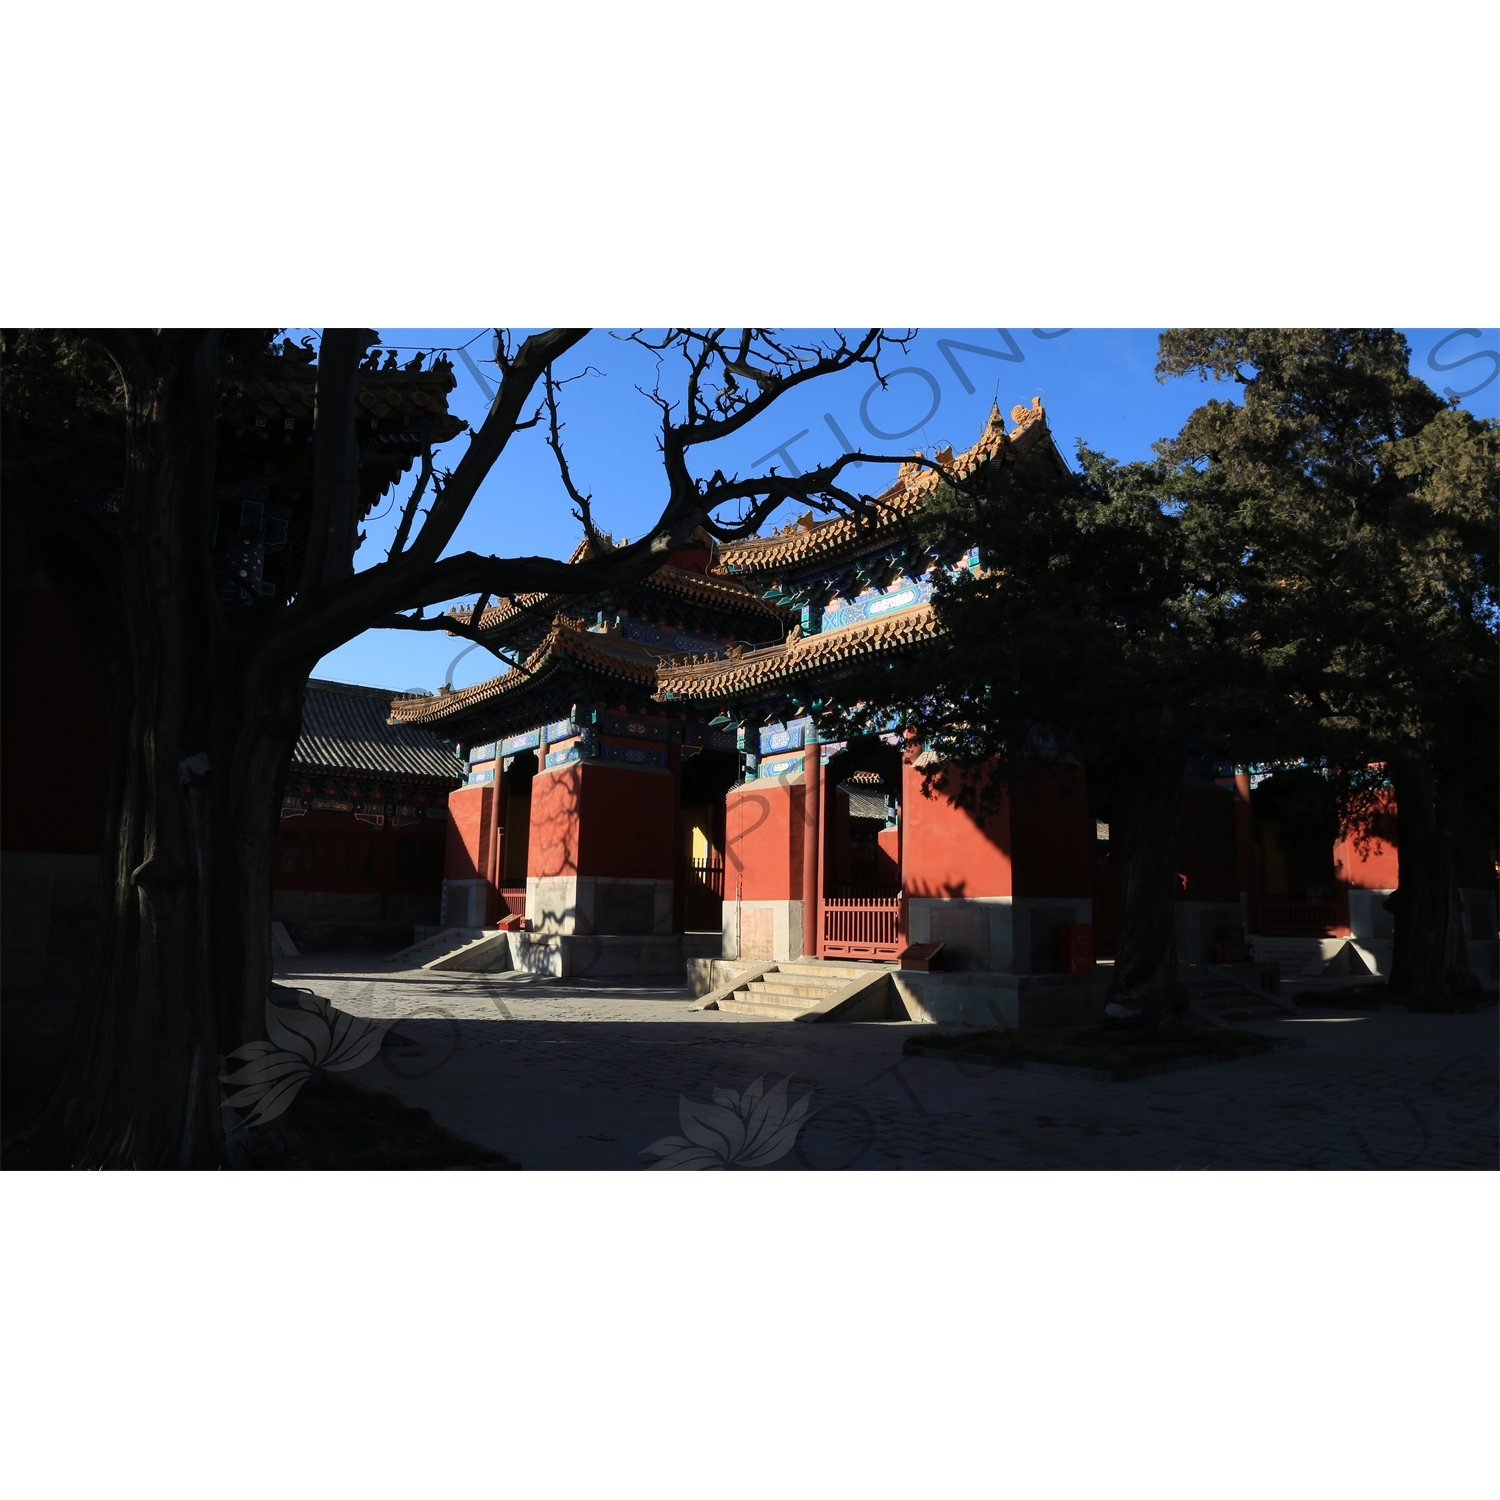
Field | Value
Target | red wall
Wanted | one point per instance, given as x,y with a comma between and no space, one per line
324,851
1207,839
1040,843
603,820
1372,868
53,739
945,852
468,832
1052,834
763,825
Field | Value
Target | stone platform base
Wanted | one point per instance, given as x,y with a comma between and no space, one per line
989,1000
580,955
1001,1000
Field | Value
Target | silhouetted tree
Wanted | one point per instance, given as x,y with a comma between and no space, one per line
1363,523
118,449
1097,625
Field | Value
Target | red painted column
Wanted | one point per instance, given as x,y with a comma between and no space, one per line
496,869
1247,854
812,839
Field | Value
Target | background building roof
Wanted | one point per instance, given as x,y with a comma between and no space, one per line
345,728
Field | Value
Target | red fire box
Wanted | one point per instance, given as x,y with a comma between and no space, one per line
1075,947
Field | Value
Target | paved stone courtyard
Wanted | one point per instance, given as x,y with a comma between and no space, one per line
585,1074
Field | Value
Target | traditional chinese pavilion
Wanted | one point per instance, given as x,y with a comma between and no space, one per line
591,806
654,767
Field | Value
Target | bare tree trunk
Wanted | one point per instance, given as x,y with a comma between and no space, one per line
1429,956
1148,813
198,746
182,962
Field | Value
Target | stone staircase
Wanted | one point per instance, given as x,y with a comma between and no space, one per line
1215,997
810,990
440,945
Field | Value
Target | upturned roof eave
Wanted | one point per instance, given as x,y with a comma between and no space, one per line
566,646
706,591
775,667
842,539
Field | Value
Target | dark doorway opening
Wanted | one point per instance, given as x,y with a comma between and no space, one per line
862,822
706,776
515,838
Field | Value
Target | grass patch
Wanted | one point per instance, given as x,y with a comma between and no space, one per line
1363,996
333,1126
1088,1047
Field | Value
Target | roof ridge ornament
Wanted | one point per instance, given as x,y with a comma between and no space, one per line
1024,416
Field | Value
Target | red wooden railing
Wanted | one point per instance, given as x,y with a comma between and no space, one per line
510,901
1282,918
703,895
861,927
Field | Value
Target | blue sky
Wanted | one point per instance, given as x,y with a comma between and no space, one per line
1097,384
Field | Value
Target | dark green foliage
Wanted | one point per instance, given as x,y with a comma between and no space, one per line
62,410
1102,623
1363,514
1096,611
62,413
1307,574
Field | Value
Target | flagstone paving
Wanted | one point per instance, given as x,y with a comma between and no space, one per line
585,1074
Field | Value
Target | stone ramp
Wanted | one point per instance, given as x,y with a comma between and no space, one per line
808,990
439,946
489,953
1321,958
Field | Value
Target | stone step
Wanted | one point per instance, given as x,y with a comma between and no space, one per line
785,991
784,984
845,972
744,1005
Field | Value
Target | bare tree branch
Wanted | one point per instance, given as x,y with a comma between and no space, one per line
581,502
449,626
757,369
519,375
412,502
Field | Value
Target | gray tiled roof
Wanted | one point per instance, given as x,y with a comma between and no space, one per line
863,803
344,728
